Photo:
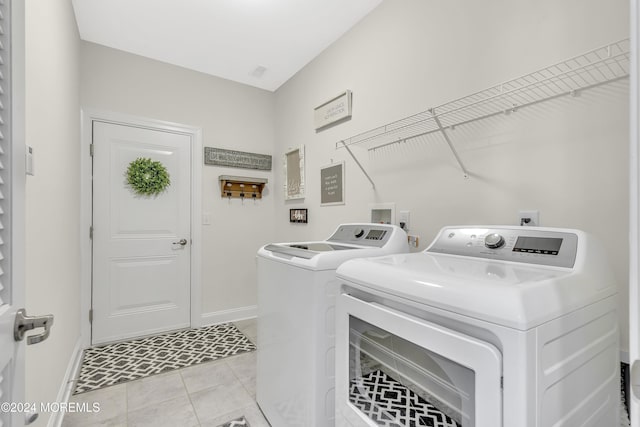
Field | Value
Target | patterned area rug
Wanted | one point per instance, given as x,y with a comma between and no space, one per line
126,361
238,422
390,404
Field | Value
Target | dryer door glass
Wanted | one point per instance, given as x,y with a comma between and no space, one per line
394,379
405,371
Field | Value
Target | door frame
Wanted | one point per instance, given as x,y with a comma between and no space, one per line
633,399
88,116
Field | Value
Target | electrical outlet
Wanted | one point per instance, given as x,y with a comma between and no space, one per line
403,218
529,218
414,241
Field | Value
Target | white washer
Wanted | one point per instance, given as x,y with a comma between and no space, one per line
492,326
296,318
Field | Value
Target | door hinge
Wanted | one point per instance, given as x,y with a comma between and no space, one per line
91,232
91,150
91,315
502,383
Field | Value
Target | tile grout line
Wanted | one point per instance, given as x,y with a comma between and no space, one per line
195,413
126,404
233,371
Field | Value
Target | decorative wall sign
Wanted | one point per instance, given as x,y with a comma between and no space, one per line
236,159
334,110
298,216
147,177
332,184
294,174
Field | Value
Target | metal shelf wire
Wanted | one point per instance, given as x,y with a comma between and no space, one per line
595,68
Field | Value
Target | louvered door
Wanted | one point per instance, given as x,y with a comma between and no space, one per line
11,189
634,219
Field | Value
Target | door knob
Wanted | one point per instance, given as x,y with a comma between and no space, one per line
181,242
24,323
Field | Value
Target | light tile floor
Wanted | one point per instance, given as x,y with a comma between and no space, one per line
207,395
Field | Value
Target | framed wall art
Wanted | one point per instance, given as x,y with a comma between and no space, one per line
332,184
236,159
294,174
298,216
333,111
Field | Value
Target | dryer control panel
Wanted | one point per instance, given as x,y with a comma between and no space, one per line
518,244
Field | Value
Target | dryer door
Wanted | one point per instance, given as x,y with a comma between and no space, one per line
394,369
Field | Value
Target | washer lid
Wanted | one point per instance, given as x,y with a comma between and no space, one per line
347,242
306,250
290,253
515,295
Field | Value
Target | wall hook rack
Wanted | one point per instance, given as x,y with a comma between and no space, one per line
238,186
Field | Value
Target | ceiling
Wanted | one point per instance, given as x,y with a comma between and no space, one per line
261,43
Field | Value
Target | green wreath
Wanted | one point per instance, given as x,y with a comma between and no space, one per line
147,177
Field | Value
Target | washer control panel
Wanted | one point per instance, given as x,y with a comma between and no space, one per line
518,244
376,235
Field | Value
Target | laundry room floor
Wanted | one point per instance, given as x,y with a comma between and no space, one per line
209,395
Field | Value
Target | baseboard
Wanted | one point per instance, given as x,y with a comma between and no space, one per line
68,383
232,315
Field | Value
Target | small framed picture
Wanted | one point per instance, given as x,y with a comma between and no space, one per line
298,216
332,184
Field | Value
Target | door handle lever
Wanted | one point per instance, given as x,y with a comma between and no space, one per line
181,242
24,323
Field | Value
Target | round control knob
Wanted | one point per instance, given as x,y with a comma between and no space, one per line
359,233
494,241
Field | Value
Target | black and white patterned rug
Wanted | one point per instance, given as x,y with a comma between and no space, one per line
390,404
126,361
238,422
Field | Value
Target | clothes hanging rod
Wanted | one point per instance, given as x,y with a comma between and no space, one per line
597,67
512,109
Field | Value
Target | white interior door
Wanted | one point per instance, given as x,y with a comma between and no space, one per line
141,273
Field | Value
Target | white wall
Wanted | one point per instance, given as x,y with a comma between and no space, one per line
52,195
232,116
566,158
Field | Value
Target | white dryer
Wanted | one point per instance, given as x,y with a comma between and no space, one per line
490,326
296,327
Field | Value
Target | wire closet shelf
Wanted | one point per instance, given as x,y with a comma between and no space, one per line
594,68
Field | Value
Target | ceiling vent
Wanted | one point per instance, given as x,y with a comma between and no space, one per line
258,71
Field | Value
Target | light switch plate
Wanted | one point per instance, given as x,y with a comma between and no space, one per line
29,161
206,218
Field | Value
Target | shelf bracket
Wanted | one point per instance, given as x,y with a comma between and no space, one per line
373,185
446,137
